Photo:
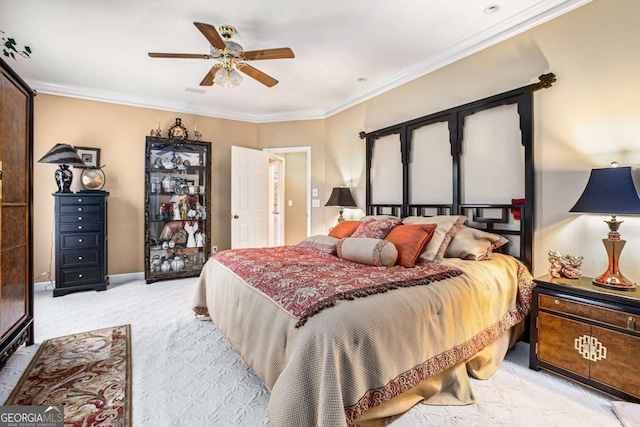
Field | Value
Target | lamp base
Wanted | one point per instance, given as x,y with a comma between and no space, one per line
613,278
63,177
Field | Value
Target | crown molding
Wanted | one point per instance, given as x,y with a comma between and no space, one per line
517,24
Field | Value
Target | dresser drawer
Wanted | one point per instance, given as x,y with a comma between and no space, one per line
79,200
89,226
67,209
80,276
79,258
619,319
79,240
81,217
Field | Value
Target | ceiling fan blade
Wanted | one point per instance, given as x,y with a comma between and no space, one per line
258,75
278,53
179,55
210,32
208,79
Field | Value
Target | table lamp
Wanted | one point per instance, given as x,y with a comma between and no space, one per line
341,197
64,155
612,191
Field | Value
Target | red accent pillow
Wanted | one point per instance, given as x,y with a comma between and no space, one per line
376,229
344,229
410,241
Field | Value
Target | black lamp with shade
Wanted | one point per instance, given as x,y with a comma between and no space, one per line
342,198
614,191
64,155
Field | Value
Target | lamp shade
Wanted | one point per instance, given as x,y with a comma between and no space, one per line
62,154
341,196
611,191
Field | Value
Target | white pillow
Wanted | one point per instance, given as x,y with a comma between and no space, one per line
448,226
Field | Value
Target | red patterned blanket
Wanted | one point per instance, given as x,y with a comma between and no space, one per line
304,281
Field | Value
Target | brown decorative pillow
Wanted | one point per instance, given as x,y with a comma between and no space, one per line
376,229
410,241
344,229
320,242
363,250
448,226
473,244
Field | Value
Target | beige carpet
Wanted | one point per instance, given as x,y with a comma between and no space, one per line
186,374
89,373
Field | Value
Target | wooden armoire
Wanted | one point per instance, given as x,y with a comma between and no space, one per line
16,194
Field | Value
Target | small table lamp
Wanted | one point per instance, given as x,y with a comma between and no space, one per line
612,191
64,155
341,196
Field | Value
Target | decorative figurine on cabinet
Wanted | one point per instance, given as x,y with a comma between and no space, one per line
178,131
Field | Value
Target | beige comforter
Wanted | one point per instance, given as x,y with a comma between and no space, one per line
371,357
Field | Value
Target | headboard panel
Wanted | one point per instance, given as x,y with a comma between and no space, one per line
496,218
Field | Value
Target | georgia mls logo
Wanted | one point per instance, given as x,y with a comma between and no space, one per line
32,416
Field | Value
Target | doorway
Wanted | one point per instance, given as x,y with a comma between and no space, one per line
297,192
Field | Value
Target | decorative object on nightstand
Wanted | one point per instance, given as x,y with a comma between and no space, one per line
342,198
612,191
568,266
64,155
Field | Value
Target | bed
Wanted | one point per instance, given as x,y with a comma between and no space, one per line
384,338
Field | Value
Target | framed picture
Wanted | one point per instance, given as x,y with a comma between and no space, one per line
90,156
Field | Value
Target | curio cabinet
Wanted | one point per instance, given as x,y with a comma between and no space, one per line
177,207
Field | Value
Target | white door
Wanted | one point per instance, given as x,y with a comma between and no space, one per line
249,198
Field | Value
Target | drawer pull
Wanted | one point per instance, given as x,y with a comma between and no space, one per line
80,275
556,301
590,348
79,240
79,218
79,200
79,227
79,209
79,258
631,323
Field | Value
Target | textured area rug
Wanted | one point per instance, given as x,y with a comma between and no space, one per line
89,373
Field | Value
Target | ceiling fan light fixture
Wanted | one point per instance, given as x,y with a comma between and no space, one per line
222,77
235,78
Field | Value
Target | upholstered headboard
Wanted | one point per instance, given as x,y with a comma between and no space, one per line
464,160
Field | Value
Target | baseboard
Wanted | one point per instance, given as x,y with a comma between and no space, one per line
114,279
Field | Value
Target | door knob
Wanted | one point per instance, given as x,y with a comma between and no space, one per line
234,217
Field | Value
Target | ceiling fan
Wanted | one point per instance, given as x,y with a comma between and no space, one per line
231,57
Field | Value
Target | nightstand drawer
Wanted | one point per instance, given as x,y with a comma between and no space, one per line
78,258
78,240
78,277
89,226
81,217
68,209
616,318
79,200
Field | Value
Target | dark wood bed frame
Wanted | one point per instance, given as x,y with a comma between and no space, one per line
455,117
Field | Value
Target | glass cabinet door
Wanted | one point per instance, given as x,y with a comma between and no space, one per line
177,203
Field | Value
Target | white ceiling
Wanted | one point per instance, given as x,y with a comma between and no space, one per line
98,49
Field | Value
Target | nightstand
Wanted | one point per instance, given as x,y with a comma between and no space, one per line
588,334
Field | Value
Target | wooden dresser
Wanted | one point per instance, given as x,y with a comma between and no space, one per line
588,334
16,194
81,243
